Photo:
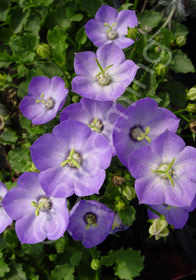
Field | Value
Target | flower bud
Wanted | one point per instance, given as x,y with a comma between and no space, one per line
3,79
159,228
191,108
193,126
191,94
181,41
129,192
161,69
157,49
95,264
43,51
132,33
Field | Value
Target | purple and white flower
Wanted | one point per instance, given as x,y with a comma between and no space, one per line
5,219
90,222
176,216
100,116
142,122
72,159
165,171
103,75
37,215
45,98
109,26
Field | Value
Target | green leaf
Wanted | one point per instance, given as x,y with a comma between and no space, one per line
55,36
149,84
58,17
10,185
36,3
4,268
90,6
150,18
18,19
181,63
25,123
128,263
33,23
77,17
63,272
17,273
5,34
179,29
50,70
23,46
81,37
20,160
4,9
177,92
127,215
8,136
5,59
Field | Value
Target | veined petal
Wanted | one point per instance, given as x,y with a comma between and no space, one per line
85,64
46,152
96,32
39,85
125,19
106,14
28,229
150,190
110,54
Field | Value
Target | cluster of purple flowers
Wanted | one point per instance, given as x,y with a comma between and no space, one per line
73,158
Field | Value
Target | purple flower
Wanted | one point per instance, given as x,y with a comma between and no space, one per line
100,116
165,171
5,220
103,75
109,26
90,222
46,97
37,215
142,122
176,216
72,159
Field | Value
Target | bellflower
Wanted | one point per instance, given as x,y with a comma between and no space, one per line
103,75
45,98
72,159
90,222
109,26
100,116
5,220
37,215
142,122
176,216
165,171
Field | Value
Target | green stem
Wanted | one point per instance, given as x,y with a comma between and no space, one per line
180,111
135,4
165,23
152,210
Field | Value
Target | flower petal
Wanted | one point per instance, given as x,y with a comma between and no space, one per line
106,14
85,64
126,18
96,32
